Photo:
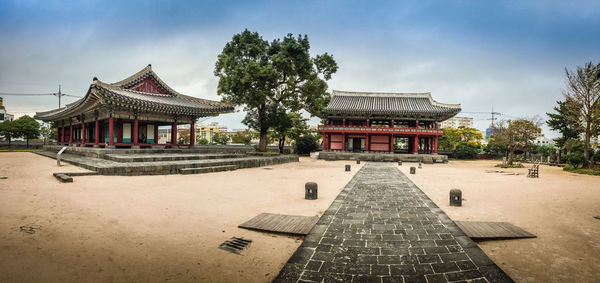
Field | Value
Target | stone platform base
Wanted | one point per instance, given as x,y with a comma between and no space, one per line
383,157
131,162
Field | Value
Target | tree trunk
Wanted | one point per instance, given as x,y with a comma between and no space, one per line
9,139
586,146
510,155
262,144
27,142
281,144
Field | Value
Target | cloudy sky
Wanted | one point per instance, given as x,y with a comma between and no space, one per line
505,55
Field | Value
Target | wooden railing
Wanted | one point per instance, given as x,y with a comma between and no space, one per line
380,130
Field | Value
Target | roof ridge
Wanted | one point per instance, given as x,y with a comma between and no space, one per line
394,95
380,94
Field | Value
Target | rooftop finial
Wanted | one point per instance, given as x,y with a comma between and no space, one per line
150,65
95,79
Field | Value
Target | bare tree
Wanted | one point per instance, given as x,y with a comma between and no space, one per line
516,135
583,98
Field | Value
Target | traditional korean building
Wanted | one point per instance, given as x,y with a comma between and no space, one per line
128,113
384,122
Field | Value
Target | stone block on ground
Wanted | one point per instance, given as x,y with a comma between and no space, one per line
64,178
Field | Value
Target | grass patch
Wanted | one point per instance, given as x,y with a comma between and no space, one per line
514,165
582,171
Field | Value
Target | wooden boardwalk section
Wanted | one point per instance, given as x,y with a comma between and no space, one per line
492,230
279,223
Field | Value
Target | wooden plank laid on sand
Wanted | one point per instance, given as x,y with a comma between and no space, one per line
279,223
492,230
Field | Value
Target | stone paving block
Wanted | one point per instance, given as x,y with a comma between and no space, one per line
463,275
465,265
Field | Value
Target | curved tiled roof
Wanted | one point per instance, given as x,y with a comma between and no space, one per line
119,94
417,105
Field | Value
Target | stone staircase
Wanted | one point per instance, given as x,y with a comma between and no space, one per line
157,162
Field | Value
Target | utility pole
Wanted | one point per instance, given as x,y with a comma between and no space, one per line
60,94
491,127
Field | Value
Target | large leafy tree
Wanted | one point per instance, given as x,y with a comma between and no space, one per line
515,135
269,77
290,127
566,121
454,136
47,132
583,99
27,128
9,131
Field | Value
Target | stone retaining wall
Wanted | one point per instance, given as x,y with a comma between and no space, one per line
384,157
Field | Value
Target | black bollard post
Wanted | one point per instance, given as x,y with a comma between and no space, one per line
400,163
455,197
413,170
347,167
357,161
310,190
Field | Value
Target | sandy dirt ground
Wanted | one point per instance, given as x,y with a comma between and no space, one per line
151,228
558,208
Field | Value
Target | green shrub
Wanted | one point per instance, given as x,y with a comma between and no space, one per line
465,151
575,159
570,168
202,141
221,138
306,144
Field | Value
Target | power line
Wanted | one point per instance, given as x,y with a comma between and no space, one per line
58,94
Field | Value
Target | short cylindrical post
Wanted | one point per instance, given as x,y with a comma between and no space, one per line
420,165
347,167
413,170
357,161
310,190
455,197
400,163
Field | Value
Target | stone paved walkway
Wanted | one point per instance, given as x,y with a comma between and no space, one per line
382,228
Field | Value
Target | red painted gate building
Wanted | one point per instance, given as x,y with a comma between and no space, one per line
384,122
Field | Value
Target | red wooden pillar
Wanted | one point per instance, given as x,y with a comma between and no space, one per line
64,129
174,133
429,145
111,131
435,144
192,132
97,132
343,122
70,133
415,148
135,131
324,141
367,144
392,142
82,132
343,142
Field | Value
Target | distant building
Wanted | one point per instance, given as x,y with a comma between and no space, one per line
542,140
207,131
4,116
203,131
456,122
